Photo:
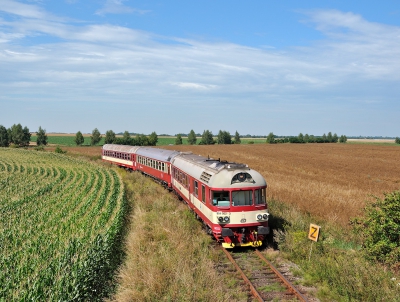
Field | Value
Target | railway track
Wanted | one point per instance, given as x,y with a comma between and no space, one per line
265,282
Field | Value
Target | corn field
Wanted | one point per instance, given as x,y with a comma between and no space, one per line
61,221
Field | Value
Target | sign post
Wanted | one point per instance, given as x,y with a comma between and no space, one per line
314,232
313,235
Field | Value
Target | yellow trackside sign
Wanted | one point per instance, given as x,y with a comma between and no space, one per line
314,232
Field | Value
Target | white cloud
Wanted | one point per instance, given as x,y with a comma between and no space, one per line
117,7
195,86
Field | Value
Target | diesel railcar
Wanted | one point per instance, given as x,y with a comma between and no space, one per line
230,198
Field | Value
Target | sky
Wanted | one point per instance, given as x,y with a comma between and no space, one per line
255,67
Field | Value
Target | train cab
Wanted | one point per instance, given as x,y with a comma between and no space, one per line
229,197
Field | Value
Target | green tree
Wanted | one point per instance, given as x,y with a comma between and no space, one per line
329,138
343,139
142,140
4,141
95,138
324,138
207,138
335,138
26,137
79,138
16,134
380,229
19,136
237,138
178,140
306,138
126,139
300,137
397,140
192,139
41,139
110,137
271,138
153,139
224,137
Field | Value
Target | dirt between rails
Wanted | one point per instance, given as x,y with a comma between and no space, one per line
263,279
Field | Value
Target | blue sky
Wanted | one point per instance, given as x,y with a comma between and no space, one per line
171,66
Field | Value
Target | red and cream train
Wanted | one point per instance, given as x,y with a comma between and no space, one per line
229,198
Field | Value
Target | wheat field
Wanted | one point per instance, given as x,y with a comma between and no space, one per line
331,181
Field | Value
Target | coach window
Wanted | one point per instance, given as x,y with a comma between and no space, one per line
203,193
196,188
242,198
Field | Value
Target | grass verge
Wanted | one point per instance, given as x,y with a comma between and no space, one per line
168,255
334,264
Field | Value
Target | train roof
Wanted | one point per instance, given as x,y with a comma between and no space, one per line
120,148
217,173
158,154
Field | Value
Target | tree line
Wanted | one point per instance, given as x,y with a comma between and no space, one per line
302,139
20,137
207,138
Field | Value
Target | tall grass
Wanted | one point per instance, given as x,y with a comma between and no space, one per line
169,257
334,264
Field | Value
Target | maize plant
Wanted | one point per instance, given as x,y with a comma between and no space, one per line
61,223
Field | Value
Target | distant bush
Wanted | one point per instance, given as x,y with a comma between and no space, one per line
59,150
39,148
397,140
251,142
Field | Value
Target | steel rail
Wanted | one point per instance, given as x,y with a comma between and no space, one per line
284,280
252,288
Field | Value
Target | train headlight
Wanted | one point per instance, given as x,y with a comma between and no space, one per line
265,216
220,219
226,219
259,217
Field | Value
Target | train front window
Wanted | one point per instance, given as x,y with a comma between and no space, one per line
220,198
242,198
259,196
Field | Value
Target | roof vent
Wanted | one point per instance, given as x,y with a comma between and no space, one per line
205,177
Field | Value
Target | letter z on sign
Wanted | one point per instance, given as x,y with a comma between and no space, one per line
314,232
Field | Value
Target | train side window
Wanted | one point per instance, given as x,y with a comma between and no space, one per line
203,193
163,167
196,188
